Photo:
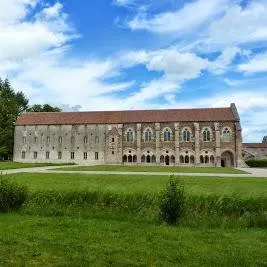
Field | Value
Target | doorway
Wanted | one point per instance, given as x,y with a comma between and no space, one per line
167,160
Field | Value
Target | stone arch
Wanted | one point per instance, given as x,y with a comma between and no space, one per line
181,159
201,159
172,159
212,159
186,159
124,158
153,158
167,160
143,158
161,159
148,159
130,158
192,159
207,159
134,158
227,158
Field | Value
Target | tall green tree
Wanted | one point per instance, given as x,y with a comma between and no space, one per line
43,108
12,104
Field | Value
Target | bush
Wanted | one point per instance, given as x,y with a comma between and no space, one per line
257,163
12,195
172,201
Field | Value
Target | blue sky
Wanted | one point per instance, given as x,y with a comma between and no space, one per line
136,54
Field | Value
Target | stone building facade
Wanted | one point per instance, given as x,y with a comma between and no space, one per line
206,137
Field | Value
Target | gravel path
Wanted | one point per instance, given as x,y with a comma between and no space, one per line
252,172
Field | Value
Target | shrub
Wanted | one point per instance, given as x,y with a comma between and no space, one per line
12,195
172,201
257,163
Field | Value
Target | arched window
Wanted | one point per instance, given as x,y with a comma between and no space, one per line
186,159
186,135
207,159
212,159
143,158
201,159
172,159
161,159
192,159
148,159
124,159
167,135
134,158
148,135
181,159
226,133
129,135
130,158
206,135
153,158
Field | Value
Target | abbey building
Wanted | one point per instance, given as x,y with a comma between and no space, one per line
205,137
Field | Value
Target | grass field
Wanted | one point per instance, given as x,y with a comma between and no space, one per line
128,168
4,165
64,241
141,184
112,220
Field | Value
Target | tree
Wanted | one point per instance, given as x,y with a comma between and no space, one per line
43,108
12,104
264,140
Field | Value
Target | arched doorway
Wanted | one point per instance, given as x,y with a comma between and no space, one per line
227,159
167,160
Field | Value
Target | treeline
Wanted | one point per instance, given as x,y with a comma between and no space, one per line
12,104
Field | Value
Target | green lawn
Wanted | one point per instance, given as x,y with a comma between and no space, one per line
67,241
141,183
18,165
153,169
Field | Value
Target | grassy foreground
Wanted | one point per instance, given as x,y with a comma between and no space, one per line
19,165
128,168
64,241
131,184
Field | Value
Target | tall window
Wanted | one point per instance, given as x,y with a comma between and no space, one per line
23,154
96,155
85,140
167,135
59,155
35,139
148,135
72,155
47,154
129,136
60,140
85,155
206,135
186,135
35,155
48,139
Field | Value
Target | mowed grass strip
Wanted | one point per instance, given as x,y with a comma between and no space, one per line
141,183
176,169
64,241
19,165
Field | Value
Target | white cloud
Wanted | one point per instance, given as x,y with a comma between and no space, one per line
240,25
258,63
124,3
190,16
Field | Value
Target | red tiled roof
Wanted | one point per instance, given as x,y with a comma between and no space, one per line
254,145
128,116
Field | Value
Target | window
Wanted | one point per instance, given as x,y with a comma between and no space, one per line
85,155
226,133
23,154
48,139
206,135
47,154
112,140
59,155
96,155
112,152
129,135
186,135
148,135
72,155
35,140
24,140
60,140
85,140
167,135
35,155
